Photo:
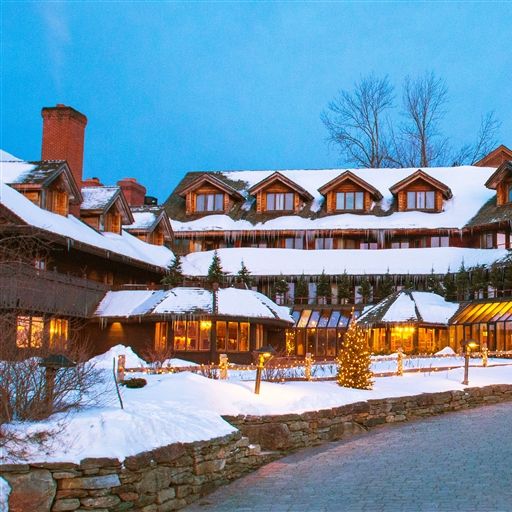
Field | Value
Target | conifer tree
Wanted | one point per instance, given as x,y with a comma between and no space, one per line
354,361
215,272
365,290
433,283
408,283
496,277
174,274
301,290
386,286
281,287
449,286
323,288
462,282
478,280
344,288
244,275
507,280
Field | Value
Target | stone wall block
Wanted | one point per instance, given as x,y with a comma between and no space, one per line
66,504
31,491
91,482
154,480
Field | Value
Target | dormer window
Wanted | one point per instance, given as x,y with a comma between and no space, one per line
349,201
209,202
421,200
280,201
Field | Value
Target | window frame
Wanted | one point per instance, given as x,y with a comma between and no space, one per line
207,199
420,198
283,198
341,200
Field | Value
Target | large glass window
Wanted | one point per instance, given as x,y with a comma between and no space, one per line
58,332
279,201
421,200
29,331
209,202
349,200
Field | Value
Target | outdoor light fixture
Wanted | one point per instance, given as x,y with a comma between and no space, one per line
52,364
264,354
467,346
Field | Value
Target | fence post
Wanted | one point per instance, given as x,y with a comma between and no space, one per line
485,354
223,366
307,363
121,362
400,362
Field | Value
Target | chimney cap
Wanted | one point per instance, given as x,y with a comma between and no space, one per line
64,110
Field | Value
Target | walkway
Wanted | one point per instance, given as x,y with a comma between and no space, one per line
455,462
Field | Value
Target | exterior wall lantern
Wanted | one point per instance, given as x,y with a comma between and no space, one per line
264,355
467,346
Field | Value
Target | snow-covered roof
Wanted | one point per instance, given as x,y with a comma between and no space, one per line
74,229
410,307
144,220
261,261
98,198
467,183
232,302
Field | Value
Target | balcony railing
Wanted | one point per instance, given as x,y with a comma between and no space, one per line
28,289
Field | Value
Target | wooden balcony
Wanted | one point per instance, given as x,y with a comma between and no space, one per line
27,289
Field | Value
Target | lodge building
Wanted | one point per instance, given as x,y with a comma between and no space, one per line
339,238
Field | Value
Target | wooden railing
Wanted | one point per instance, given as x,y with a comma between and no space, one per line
27,289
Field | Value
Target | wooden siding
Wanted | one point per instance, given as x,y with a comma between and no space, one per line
191,198
502,192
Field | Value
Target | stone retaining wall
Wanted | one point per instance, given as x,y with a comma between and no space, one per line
157,481
173,476
294,431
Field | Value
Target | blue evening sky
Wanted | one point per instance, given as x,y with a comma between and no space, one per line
170,87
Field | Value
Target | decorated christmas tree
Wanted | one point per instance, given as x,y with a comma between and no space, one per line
174,274
354,360
215,272
244,275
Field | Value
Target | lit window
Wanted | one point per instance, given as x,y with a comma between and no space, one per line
209,202
349,200
421,200
58,332
279,201
29,331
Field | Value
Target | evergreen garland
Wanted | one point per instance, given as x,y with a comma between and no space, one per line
344,288
174,274
215,272
244,275
354,361
301,290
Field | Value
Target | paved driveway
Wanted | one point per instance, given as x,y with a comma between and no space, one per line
455,462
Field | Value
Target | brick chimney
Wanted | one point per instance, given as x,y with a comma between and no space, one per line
133,191
92,182
63,137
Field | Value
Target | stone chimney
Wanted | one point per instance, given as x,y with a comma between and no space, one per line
133,192
63,137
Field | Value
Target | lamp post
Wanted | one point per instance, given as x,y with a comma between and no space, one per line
52,364
467,346
264,354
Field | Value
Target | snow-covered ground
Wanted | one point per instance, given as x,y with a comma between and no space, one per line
185,407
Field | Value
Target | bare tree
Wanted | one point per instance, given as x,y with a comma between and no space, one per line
485,142
357,122
421,141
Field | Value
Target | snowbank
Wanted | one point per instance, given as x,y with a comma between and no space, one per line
446,351
104,361
5,490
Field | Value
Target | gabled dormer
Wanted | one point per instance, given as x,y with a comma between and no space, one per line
49,185
420,192
347,193
208,194
501,181
105,209
151,224
496,157
279,194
